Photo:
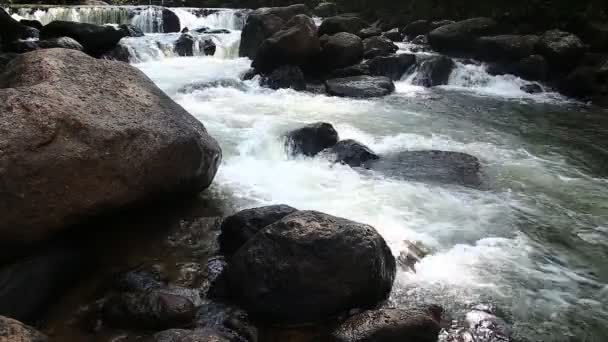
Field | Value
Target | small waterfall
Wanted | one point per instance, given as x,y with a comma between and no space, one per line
86,14
194,18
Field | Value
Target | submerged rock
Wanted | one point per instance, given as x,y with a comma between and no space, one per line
459,38
433,166
434,71
15,331
392,67
337,24
295,44
360,86
391,325
311,139
341,50
224,83
95,39
105,136
239,228
310,266
532,88
350,152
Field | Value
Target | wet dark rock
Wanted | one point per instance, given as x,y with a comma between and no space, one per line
31,23
373,53
139,280
12,30
341,50
481,324
532,88
533,67
203,335
201,30
350,152
417,28
284,77
337,24
144,146
391,325
506,47
561,49
392,67
459,38
311,139
413,253
218,31
224,83
587,82
232,321
95,39
5,58
295,44
119,53
60,42
310,266
23,46
380,43
208,47
368,32
420,40
30,285
152,309
239,228
184,45
133,31
326,9
596,35
360,86
249,74
438,23
170,21
434,71
393,35
432,166
263,23
14,331
353,70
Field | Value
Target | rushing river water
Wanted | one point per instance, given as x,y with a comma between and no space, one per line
533,240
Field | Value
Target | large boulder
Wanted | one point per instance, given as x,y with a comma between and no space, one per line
391,325
353,70
30,285
561,49
263,23
587,82
371,31
310,266
382,45
350,152
459,38
506,47
82,137
360,86
284,77
417,28
432,166
326,9
392,67
5,58
239,228
171,21
311,139
341,50
339,24
184,45
295,44
60,42
153,309
95,39
15,331
434,71
32,23
12,30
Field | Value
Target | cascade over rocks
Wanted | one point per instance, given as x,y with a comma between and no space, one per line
263,23
391,325
138,145
341,50
95,39
184,45
392,67
350,152
434,71
506,47
15,331
360,86
309,267
295,44
132,31
339,24
433,166
239,228
459,38
561,49
283,77
311,139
